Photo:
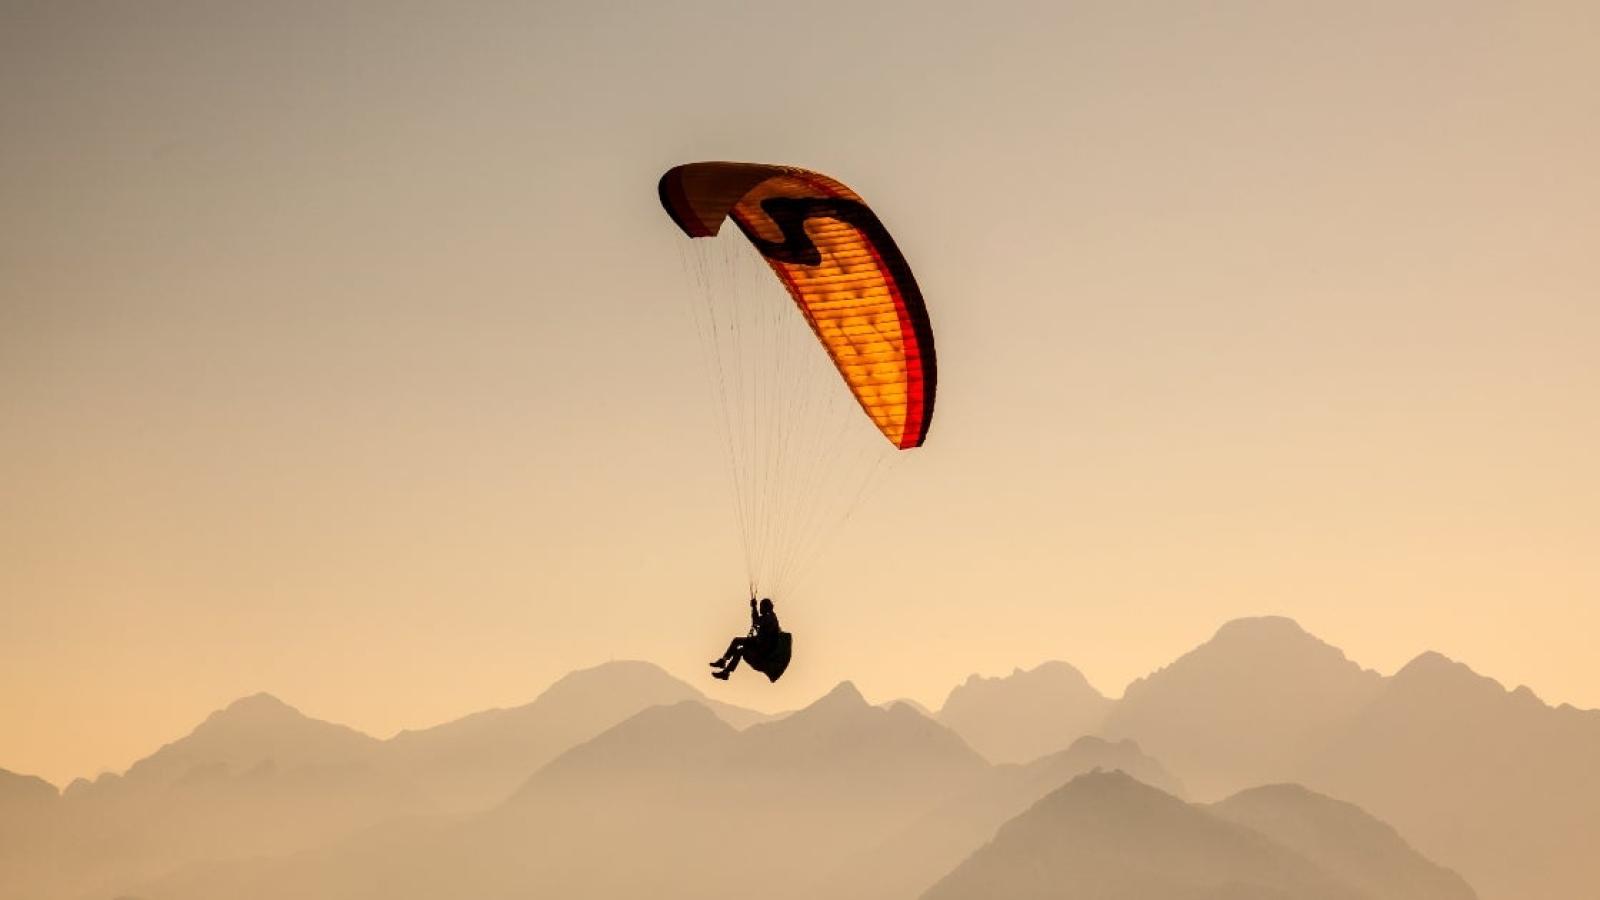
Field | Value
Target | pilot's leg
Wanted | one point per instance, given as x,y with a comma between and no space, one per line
733,649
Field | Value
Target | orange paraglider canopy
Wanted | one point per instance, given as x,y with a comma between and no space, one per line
841,267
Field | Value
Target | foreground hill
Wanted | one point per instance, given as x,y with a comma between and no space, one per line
1026,714
1342,838
1106,836
915,857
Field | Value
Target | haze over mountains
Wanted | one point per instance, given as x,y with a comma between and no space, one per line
621,777
258,777
1504,787
1026,715
1245,706
1339,837
479,759
1108,835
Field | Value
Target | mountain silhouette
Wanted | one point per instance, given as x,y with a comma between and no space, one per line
1490,781
839,798
1342,838
29,811
669,802
663,741
911,860
1107,836
918,707
1026,714
842,732
1244,707
21,792
247,734
477,761
1087,753
257,777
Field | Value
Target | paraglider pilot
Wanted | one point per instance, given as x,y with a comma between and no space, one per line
766,648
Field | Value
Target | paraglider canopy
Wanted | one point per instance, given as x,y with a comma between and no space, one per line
843,270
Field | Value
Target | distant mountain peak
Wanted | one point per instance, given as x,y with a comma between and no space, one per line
1433,661
1433,673
844,695
614,675
1055,665
910,704
260,699
247,732
1434,668
1343,838
841,728
1096,754
257,706
18,788
1027,714
658,738
262,713
614,668
1243,706
1277,638
626,682
1261,625
1053,670
1111,783
1433,664
1095,742
842,704
634,684
1128,839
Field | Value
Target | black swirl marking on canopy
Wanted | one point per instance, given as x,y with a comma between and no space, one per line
790,215
797,248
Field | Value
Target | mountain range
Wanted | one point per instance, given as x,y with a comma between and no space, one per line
672,798
623,775
260,778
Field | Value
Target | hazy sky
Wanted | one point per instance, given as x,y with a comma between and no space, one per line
343,354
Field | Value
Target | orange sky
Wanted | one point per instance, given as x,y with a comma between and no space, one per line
341,354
